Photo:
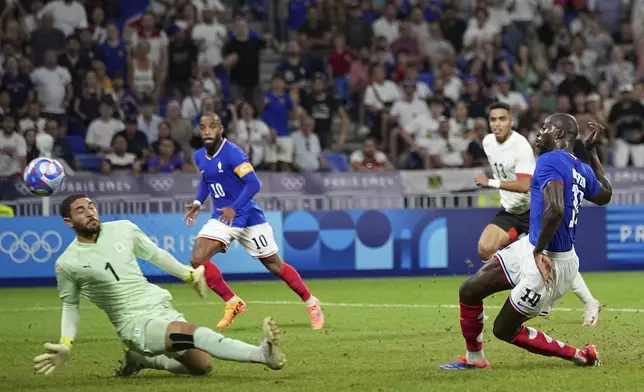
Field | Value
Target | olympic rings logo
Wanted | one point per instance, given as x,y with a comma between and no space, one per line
161,184
29,245
293,183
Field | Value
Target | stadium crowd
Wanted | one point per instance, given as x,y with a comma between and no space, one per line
402,84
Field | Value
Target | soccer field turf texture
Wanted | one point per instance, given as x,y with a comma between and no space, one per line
381,335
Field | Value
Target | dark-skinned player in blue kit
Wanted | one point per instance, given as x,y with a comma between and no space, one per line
229,178
541,267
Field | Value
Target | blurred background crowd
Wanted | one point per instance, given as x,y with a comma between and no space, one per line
305,85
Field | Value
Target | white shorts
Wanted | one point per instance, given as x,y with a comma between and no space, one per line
529,294
281,151
145,334
258,240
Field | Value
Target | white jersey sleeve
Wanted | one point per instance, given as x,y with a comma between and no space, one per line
526,162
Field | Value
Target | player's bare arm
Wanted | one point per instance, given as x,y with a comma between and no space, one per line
553,212
520,185
605,193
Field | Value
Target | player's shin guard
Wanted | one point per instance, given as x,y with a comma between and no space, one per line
294,281
225,348
538,342
216,281
472,317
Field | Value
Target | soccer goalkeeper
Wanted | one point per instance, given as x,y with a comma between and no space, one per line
101,265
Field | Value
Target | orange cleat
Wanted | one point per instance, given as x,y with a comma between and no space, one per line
317,317
230,312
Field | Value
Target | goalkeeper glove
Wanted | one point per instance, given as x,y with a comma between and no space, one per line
55,355
197,280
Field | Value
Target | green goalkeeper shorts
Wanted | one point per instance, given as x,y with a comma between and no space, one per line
146,333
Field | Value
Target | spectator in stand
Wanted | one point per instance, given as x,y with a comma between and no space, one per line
627,129
102,130
407,43
68,15
531,116
547,96
451,84
54,88
598,41
504,94
149,122
460,123
45,38
242,54
323,108
525,76
125,101
584,60
419,26
18,85
31,146
88,103
191,105
167,160
278,106
164,133
379,96
144,76
114,53
475,147
453,28
436,48
33,119
88,47
480,29
137,141
369,158
357,31
182,63
180,128
297,14
295,68
307,153
554,34
340,60
210,38
13,151
422,90
619,71
77,64
404,112
314,37
98,26
573,82
387,25
5,103
62,150
156,39
251,134
448,151
476,100
119,160
103,79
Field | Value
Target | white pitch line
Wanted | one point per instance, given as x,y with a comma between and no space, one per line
331,304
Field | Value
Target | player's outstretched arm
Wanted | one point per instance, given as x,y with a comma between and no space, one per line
605,192
145,249
553,212
56,354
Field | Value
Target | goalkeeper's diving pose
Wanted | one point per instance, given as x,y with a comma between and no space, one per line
100,264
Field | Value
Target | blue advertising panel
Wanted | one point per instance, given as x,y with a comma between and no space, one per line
335,243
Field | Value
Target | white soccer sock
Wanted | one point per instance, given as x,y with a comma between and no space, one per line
581,290
474,357
311,301
225,348
232,300
160,362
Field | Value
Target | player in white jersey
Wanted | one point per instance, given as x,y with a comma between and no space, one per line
512,162
100,265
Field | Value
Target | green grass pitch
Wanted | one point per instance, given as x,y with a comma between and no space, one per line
381,335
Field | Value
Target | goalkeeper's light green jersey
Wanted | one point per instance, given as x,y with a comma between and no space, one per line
108,275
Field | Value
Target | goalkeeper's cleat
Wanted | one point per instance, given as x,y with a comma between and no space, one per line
270,346
317,317
129,366
462,364
591,355
591,314
231,311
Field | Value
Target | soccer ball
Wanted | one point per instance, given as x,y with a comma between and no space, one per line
44,176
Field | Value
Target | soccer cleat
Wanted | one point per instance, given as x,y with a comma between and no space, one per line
591,314
462,364
230,312
591,355
129,366
317,317
271,346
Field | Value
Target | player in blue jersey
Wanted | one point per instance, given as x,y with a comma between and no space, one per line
229,178
541,267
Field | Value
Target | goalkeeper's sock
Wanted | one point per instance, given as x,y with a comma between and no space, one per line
472,317
160,362
294,281
216,282
537,342
581,290
225,348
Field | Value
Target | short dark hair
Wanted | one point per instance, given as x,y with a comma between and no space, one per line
66,205
499,105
